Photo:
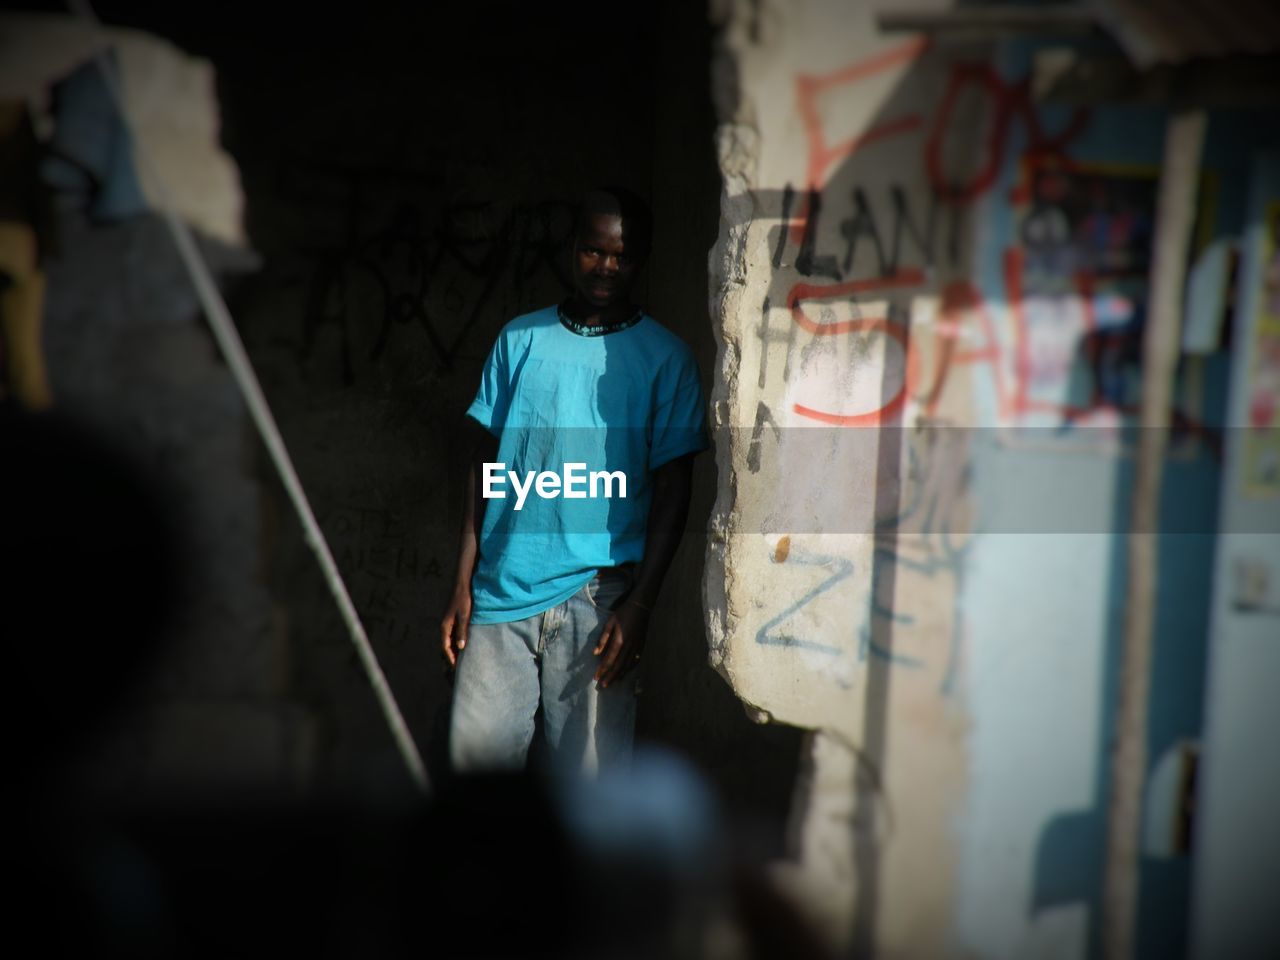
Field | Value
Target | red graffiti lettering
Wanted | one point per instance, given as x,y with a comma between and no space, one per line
1005,101
885,326
822,154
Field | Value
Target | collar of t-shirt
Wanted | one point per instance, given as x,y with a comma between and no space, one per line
599,329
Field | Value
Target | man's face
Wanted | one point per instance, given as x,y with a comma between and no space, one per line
603,267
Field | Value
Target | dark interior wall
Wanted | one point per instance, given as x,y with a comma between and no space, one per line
408,179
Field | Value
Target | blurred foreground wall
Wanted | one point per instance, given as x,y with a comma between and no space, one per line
127,357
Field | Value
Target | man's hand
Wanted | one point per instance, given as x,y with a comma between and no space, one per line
454,626
621,643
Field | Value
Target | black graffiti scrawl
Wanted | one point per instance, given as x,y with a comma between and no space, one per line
435,268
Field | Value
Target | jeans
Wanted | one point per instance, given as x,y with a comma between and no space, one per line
508,670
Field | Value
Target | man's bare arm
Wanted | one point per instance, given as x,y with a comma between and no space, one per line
482,447
624,635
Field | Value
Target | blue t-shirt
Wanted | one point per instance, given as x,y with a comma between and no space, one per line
627,401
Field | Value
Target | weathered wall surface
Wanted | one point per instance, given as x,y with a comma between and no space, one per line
930,289
816,287
833,244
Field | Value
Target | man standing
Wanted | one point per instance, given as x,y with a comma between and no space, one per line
556,583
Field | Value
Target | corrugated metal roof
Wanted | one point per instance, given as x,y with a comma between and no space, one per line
1174,31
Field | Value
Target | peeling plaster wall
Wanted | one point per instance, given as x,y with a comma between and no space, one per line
808,609
781,374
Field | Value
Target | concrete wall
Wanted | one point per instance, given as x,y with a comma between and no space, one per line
930,289
794,560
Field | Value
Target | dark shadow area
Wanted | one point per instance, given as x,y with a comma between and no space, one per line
630,865
94,564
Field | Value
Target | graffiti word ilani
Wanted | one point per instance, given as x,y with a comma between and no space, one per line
573,482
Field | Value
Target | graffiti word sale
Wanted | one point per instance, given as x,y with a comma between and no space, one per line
572,483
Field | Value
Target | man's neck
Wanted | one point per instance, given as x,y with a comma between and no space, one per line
593,316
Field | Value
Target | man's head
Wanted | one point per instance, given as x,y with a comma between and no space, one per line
611,242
